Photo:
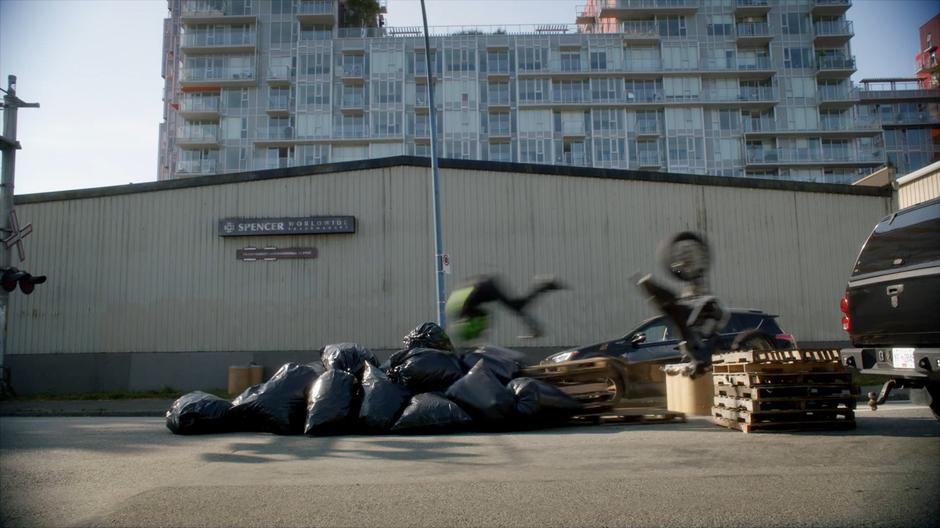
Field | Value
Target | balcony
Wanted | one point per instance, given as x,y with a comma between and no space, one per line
753,34
633,8
227,76
198,136
316,12
898,90
217,12
757,94
275,134
830,7
649,160
644,66
498,99
500,130
832,33
354,104
196,166
353,132
192,107
353,72
638,31
827,127
279,106
751,7
497,68
217,41
837,157
279,75
835,67
836,96
909,118
648,128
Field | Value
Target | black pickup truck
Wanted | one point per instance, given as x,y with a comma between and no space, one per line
891,307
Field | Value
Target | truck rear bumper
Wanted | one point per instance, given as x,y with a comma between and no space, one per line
915,364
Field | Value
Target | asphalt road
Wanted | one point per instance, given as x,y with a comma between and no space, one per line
133,472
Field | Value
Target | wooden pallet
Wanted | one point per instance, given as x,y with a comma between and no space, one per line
785,404
627,416
837,425
779,368
756,379
786,392
777,356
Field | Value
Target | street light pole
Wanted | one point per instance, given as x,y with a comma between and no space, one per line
435,177
9,145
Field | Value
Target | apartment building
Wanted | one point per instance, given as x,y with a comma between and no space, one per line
749,88
909,114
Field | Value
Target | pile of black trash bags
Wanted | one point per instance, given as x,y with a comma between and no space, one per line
425,388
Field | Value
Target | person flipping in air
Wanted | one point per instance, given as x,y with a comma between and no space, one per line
467,317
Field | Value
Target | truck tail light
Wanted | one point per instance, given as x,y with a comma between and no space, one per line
846,320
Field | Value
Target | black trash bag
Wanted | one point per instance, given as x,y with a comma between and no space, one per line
432,413
428,335
198,413
540,401
482,395
501,362
427,370
347,356
382,401
331,403
277,406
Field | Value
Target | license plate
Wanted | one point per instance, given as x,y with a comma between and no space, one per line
902,357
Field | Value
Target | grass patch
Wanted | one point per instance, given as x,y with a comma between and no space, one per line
166,393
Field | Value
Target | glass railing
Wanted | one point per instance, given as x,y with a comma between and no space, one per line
217,74
499,129
835,63
499,67
760,93
208,39
570,97
351,132
753,29
833,27
836,93
199,104
496,99
209,8
648,159
646,4
196,166
824,155
422,129
640,28
353,70
647,127
570,66
642,65
315,8
760,125
278,73
758,63
353,101
278,103
276,132
832,2
198,133
751,3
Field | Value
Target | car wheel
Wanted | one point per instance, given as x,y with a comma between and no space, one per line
933,397
751,340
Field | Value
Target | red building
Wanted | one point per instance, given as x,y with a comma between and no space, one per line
927,70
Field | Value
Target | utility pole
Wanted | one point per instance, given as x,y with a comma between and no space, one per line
435,178
11,103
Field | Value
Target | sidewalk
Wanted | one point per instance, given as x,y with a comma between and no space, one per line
150,407
156,407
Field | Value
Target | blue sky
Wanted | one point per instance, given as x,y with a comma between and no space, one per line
94,66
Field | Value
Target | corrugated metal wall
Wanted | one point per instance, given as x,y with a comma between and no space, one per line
147,272
925,188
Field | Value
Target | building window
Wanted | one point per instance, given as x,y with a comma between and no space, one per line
498,93
532,151
672,26
500,152
794,23
795,58
570,61
459,60
599,60
532,59
497,61
499,123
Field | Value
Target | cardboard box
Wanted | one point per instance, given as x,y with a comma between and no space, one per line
692,397
243,376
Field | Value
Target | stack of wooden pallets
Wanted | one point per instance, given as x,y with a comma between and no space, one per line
783,390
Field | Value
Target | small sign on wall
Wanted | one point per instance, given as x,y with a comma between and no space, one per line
304,225
252,254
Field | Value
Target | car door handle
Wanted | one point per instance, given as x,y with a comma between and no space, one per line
894,289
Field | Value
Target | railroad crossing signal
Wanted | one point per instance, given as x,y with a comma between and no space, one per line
17,235
12,276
